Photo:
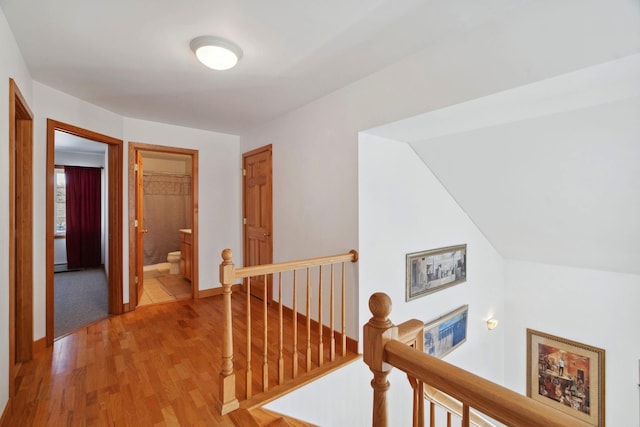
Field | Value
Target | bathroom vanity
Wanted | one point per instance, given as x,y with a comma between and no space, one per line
185,253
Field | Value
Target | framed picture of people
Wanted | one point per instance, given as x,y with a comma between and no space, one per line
434,270
566,375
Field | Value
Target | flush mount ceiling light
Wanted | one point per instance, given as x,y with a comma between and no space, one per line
215,52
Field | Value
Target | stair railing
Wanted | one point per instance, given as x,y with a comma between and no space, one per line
303,276
386,346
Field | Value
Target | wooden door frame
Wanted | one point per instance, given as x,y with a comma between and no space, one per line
245,253
134,148
138,174
20,291
114,216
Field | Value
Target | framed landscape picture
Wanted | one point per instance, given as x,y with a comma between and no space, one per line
445,334
566,375
434,270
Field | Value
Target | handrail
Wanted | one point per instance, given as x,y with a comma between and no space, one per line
258,270
497,402
383,350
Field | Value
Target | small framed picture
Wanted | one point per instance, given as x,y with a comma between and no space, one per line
445,334
566,375
434,270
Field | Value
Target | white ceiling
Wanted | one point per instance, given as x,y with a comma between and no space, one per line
133,57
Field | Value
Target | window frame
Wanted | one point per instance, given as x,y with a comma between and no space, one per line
58,170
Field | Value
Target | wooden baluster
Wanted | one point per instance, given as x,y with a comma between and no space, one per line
376,333
418,401
248,374
265,342
227,391
344,314
308,319
465,415
280,334
448,419
320,343
432,414
295,326
332,338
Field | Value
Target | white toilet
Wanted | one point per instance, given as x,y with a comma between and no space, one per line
174,262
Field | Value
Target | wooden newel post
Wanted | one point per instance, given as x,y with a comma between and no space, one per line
376,333
227,395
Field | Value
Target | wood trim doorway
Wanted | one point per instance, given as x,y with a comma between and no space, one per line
20,231
114,215
135,148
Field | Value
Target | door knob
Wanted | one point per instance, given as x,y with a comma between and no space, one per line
267,234
144,230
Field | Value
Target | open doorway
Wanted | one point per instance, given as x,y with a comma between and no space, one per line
163,224
70,148
80,282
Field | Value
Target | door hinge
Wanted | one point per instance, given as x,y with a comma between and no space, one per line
135,167
135,280
244,221
244,172
135,223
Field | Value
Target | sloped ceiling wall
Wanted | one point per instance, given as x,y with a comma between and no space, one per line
549,172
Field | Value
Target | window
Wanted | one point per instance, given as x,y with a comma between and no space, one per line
60,207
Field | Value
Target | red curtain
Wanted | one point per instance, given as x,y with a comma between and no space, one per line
83,203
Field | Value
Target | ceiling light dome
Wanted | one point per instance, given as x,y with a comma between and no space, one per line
215,52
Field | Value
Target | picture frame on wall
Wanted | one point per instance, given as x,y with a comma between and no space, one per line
566,375
435,270
446,333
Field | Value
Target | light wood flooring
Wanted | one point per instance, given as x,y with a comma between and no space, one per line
159,286
155,366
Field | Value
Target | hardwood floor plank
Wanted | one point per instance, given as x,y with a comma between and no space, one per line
157,365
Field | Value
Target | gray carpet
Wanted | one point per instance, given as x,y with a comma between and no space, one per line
80,298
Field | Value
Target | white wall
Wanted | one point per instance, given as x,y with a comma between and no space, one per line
593,307
11,66
405,209
347,399
59,250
